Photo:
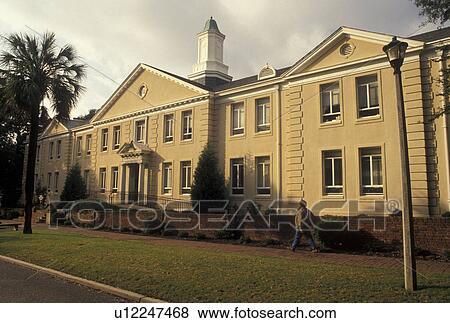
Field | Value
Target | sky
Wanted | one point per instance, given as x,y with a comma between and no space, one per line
113,36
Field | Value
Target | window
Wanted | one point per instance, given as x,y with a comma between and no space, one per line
237,176
168,128
58,149
56,181
186,172
167,178
187,125
102,180
104,139
371,171
88,144
263,175
50,150
262,115
114,179
331,109
79,139
237,119
49,182
38,153
332,172
86,178
368,104
140,131
116,137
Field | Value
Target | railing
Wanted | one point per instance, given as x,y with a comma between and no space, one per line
138,199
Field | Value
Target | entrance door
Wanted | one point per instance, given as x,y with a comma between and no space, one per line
134,182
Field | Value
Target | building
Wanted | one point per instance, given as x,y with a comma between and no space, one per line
323,129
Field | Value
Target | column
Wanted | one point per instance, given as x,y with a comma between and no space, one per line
141,178
122,184
127,184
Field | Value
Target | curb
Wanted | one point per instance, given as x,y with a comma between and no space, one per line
128,295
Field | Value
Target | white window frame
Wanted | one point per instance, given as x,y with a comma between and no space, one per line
187,115
167,178
49,181
266,122
102,179
238,130
79,141
56,180
116,137
104,133
50,150
360,83
169,129
88,144
138,132
114,179
333,176
186,165
330,88
237,164
264,187
371,163
58,148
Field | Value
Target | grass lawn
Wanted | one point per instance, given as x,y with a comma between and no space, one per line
186,274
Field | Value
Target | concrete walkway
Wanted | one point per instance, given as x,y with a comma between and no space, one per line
423,266
23,285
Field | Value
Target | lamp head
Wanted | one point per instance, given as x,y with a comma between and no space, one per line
395,52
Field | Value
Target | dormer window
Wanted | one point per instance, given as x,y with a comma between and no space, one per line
266,72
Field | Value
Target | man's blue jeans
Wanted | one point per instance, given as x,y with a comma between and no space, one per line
298,236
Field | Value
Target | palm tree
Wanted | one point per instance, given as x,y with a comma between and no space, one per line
34,69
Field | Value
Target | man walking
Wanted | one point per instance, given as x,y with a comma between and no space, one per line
303,225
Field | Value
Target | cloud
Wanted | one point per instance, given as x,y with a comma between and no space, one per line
114,36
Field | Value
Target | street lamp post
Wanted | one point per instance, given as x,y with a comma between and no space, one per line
395,52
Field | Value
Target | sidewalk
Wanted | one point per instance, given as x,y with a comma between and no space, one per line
423,266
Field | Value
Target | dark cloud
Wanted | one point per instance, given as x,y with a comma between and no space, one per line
114,36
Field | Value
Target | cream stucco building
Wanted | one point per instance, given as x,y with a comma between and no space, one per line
324,128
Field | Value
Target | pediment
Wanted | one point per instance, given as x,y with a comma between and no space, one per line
346,46
147,87
133,149
55,127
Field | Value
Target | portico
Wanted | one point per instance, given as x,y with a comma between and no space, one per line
135,172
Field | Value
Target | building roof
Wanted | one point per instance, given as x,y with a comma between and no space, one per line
433,35
211,24
73,123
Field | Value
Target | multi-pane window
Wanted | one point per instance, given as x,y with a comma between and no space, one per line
114,178
186,117
49,182
104,139
50,150
86,179
371,171
368,104
140,131
116,137
38,152
88,144
56,181
78,146
102,180
167,178
330,102
237,176
186,177
237,119
263,175
263,114
168,128
332,172
58,149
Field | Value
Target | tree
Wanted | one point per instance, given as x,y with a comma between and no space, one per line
33,70
209,182
434,11
74,186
